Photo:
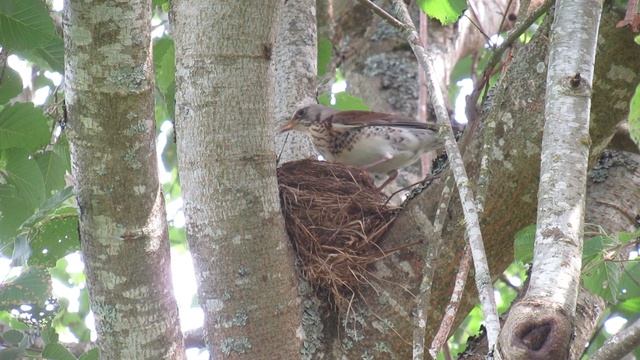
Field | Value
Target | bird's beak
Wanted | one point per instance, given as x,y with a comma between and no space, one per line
288,126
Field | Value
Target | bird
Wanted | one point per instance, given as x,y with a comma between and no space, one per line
380,143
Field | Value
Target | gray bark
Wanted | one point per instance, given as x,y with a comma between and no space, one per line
541,324
295,58
620,344
111,130
510,142
468,200
243,260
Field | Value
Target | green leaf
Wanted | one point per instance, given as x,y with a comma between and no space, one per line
23,173
603,280
41,81
630,306
625,236
630,280
93,354
593,248
177,236
61,148
524,243
11,354
21,251
48,56
13,211
55,351
634,117
10,85
12,322
53,169
165,67
33,286
164,62
25,24
445,11
52,203
23,126
325,49
49,335
13,336
54,239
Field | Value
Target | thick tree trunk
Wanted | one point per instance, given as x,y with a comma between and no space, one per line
243,260
123,230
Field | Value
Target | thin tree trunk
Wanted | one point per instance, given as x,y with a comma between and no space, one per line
111,129
541,324
243,259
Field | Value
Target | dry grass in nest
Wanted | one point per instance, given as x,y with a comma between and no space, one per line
335,218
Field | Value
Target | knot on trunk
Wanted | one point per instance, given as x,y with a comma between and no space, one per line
536,331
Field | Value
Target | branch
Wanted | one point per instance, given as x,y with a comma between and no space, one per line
620,344
423,300
516,32
483,276
385,15
541,324
450,313
496,56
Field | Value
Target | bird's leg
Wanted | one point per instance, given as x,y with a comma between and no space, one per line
391,176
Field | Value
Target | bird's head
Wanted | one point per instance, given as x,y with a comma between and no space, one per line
306,117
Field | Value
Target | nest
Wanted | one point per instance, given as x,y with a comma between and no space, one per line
335,218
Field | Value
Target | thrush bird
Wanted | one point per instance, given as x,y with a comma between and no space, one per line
377,142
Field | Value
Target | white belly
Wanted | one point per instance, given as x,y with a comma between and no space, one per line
384,149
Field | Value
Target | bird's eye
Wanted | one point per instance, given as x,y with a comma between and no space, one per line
301,113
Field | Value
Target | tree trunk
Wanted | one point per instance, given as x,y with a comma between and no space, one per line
111,129
540,326
243,259
295,57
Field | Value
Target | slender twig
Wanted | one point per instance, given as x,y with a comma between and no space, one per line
384,14
423,95
440,339
483,276
446,352
496,56
511,38
508,282
428,271
477,26
504,16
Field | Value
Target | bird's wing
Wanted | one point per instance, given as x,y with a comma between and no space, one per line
358,119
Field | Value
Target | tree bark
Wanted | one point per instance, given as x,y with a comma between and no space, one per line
295,59
243,260
540,325
512,132
620,344
111,130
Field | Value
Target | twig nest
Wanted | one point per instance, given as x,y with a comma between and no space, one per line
335,218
